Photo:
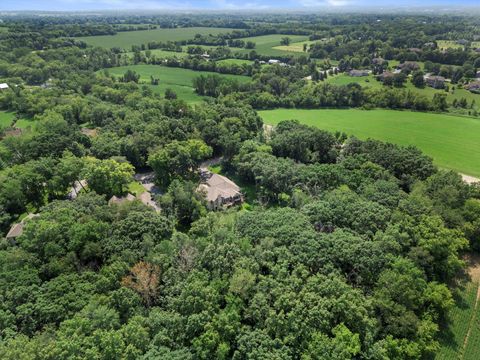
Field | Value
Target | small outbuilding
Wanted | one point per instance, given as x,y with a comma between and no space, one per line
115,200
3,86
434,81
17,229
358,73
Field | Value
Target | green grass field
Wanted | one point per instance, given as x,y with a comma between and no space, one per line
235,62
265,44
126,39
177,79
452,141
295,47
6,119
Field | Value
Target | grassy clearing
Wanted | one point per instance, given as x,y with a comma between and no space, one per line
476,44
452,141
126,39
177,79
295,47
266,44
6,119
135,188
235,62
448,44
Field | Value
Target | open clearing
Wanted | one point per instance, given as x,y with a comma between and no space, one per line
295,47
266,44
452,141
448,44
6,119
178,79
126,39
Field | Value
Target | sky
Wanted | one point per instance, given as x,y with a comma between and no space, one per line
301,5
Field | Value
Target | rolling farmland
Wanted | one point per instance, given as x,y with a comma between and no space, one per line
126,39
452,141
177,79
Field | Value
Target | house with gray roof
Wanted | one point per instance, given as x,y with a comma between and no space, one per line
220,192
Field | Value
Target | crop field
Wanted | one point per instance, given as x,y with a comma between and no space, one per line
235,62
177,79
266,44
126,39
6,119
452,141
461,338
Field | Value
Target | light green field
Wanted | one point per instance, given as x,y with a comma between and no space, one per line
265,44
461,339
452,141
448,44
295,47
126,39
476,44
234,62
163,54
6,119
178,79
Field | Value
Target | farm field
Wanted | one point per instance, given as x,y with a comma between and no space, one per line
177,79
126,39
235,62
6,119
452,141
266,44
460,340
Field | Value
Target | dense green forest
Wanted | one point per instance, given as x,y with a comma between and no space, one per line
340,249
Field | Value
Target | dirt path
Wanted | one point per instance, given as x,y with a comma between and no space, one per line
474,272
470,179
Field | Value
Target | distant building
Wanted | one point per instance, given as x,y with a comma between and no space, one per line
408,66
17,229
386,74
478,75
378,61
358,73
430,45
273,61
415,50
219,191
474,87
434,81
115,200
3,86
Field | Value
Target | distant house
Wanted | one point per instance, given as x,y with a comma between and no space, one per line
205,56
378,61
219,191
17,229
3,86
115,200
434,81
408,66
415,50
429,45
474,87
386,74
478,75
273,61
89,132
358,73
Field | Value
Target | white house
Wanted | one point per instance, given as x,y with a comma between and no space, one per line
3,86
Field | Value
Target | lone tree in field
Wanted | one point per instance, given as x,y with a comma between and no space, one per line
285,41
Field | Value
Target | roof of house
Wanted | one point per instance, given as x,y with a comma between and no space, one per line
146,198
17,229
219,186
3,86
434,78
120,200
475,85
358,72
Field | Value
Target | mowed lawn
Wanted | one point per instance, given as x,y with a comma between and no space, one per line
452,141
6,119
178,79
126,39
266,44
